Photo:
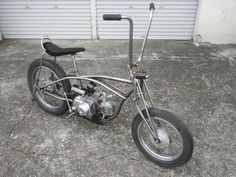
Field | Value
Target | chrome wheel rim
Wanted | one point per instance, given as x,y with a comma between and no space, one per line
167,147
47,100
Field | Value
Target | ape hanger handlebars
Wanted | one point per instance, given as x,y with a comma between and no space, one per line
118,17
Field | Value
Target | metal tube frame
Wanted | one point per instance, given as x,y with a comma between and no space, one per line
139,93
99,79
140,96
146,36
130,41
95,80
131,64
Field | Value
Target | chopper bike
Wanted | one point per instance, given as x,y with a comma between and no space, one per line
160,135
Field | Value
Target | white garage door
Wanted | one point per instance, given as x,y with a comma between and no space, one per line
82,19
173,19
37,18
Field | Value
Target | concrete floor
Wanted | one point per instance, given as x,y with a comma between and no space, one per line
198,84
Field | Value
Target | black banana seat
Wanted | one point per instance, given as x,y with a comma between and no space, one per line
55,51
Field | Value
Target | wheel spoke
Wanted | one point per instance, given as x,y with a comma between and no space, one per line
157,122
168,147
47,76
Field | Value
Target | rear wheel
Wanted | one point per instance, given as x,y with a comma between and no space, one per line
50,71
174,144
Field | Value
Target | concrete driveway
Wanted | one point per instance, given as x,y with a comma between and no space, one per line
198,84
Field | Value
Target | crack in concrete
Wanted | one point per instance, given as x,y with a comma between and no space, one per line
30,154
19,122
113,154
73,158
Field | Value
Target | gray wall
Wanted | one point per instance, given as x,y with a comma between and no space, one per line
216,21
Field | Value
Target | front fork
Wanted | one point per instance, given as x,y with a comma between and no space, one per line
143,94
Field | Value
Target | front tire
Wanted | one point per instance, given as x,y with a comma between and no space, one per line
157,150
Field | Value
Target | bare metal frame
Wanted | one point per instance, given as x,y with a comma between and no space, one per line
139,86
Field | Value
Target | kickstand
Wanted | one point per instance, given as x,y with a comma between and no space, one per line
71,114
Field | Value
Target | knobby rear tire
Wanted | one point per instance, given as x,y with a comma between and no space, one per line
59,73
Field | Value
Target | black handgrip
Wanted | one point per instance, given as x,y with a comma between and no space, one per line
111,17
151,6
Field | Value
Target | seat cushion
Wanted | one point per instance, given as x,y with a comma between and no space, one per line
54,50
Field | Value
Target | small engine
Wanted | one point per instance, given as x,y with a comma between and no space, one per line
84,105
91,104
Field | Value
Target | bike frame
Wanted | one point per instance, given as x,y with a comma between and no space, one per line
139,85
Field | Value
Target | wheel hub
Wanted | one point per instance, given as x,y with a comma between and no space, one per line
51,88
163,139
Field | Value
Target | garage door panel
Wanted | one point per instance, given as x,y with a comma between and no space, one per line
45,18
173,18
146,3
45,10
39,2
42,25
60,19
55,36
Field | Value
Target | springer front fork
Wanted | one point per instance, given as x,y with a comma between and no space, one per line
144,99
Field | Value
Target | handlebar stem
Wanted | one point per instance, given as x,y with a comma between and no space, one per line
119,17
146,36
130,40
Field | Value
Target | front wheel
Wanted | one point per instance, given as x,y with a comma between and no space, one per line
173,145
